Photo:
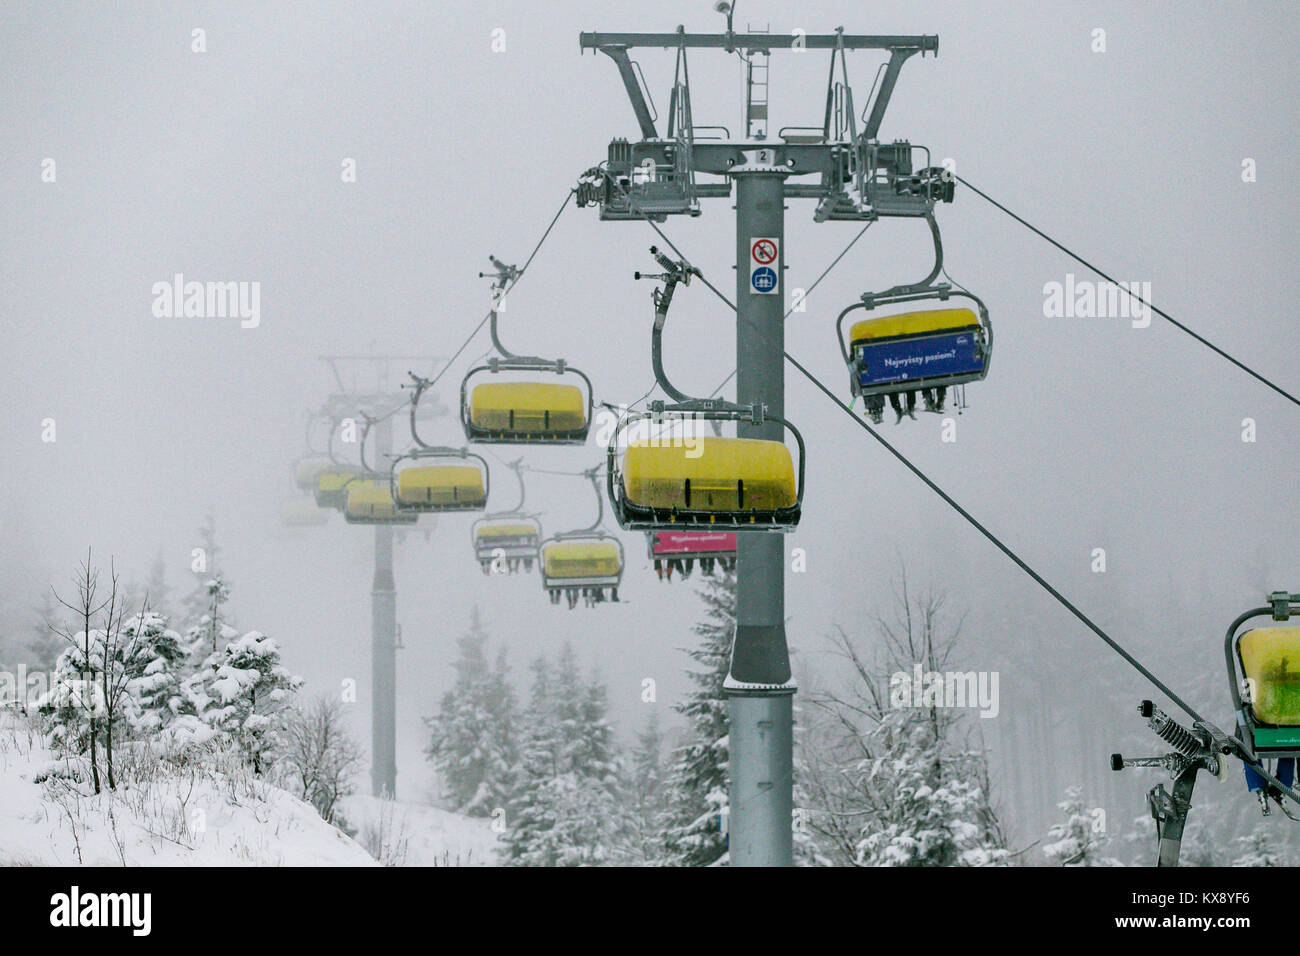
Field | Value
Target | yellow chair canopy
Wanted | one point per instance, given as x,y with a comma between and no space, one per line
912,323
440,485
726,474
527,407
506,531
1270,658
581,559
367,499
333,479
306,470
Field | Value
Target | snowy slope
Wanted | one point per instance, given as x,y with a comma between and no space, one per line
407,834
190,816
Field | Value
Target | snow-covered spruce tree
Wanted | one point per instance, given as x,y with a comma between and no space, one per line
696,788
197,602
1079,840
1261,847
898,783
528,816
565,809
644,791
211,627
71,703
242,692
155,668
90,703
472,737
590,747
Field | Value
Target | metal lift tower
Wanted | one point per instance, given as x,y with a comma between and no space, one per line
852,176
380,405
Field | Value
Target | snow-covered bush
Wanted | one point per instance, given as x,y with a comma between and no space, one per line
242,691
1078,841
1262,848
320,760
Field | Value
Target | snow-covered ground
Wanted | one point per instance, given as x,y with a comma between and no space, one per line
160,816
407,834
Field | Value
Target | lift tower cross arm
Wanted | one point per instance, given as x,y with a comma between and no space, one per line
619,55
617,45
926,43
858,177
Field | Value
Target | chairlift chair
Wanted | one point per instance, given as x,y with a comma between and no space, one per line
1264,679
711,481
510,536
437,478
521,410
331,485
370,501
306,470
918,350
585,562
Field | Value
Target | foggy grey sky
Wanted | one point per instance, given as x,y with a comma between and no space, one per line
225,166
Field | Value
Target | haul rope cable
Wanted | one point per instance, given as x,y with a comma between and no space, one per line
1087,265
478,328
1020,563
1160,312
509,288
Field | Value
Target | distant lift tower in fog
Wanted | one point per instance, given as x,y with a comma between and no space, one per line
379,406
855,178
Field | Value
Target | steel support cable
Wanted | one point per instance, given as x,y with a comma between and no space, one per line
997,542
1160,312
510,288
482,322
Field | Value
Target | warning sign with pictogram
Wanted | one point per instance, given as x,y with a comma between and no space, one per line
764,279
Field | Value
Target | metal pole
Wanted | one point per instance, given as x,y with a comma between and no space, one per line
1171,828
759,687
383,630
